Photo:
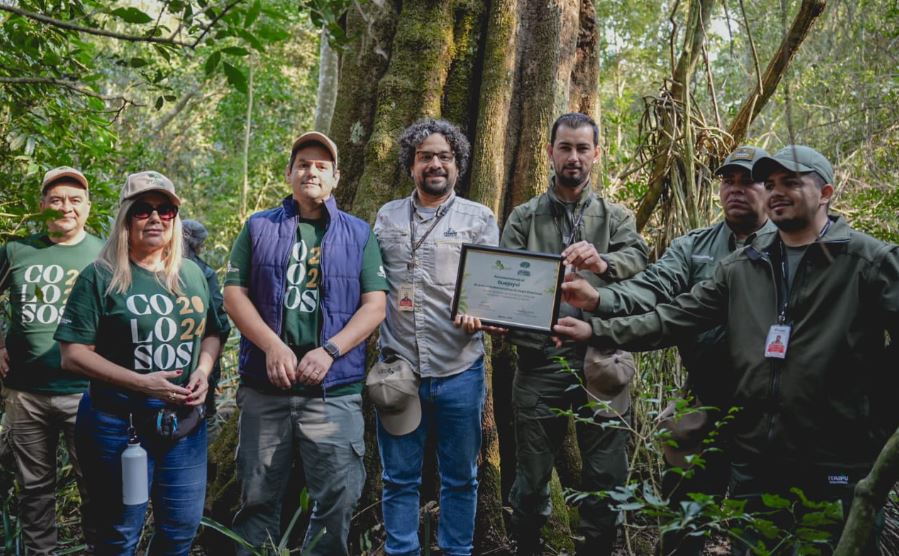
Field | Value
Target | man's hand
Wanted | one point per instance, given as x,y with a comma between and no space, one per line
583,256
314,366
575,329
579,293
198,386
281,364
472,324
4,362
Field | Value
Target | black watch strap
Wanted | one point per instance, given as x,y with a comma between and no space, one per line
332,349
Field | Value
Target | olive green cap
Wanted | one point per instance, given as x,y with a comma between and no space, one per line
794,158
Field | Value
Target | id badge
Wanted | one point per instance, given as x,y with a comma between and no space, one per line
405,298
777,341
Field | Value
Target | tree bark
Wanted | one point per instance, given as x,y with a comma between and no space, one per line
326,95
539,63
460,99
870,495
490,531
585,74
488,168
411,88
362,65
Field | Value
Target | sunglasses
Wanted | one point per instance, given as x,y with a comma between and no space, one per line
142,210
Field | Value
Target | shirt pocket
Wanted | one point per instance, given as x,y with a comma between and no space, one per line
446,259
395,247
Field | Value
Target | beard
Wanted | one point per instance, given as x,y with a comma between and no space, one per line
793,224
571,181
434,189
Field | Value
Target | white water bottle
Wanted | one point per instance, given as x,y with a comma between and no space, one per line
134,472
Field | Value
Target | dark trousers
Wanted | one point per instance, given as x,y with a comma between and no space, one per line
749,481
712,480
539,434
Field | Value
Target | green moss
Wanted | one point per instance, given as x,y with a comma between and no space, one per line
557,531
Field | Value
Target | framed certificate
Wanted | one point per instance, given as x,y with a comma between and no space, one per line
509,288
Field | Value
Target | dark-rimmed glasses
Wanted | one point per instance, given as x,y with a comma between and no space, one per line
141,210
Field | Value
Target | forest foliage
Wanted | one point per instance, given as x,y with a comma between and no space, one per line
212,92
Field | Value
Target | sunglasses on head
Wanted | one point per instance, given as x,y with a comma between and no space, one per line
142,210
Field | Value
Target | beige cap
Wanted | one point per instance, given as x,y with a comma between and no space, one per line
687,431
316,137
58,174
393,388
142,182
608,375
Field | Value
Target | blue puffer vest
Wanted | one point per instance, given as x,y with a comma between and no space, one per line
272,233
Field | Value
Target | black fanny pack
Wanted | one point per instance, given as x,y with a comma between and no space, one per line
172,423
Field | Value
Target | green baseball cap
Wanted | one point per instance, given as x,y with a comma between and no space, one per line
794,158
743,158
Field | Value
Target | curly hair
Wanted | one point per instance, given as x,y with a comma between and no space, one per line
413,136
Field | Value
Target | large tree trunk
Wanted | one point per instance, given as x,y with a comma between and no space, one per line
326,95
362,65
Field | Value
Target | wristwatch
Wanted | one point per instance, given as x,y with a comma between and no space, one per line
332,349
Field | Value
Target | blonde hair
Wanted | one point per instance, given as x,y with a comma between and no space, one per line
115,255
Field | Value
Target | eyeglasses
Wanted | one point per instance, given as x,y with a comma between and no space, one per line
444,157
142,210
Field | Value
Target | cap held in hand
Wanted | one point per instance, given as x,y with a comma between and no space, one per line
393,388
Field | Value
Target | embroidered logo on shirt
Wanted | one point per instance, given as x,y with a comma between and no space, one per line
838,479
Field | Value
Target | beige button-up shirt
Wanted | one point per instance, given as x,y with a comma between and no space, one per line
425,336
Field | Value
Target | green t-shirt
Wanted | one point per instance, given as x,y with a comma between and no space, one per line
146,329
302,310
40,275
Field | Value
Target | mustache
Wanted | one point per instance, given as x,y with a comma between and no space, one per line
431,173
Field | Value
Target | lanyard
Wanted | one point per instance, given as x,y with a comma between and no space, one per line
784,274
573,226
441,212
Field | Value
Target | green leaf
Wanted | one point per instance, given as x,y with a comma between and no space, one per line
774,501
252,13
235,77
131,15
235,51
250,38
137,62
212,62
159,102
271,34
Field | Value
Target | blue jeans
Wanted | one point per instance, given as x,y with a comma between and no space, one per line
451,408
176,476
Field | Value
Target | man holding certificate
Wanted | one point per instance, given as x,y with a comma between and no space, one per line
431,373
601,239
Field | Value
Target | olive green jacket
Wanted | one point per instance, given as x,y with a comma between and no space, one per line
688,260
831,402
540,224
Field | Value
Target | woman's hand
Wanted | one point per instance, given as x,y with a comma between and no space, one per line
198,386
157,385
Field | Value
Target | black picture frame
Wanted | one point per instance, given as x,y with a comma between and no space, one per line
553,258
